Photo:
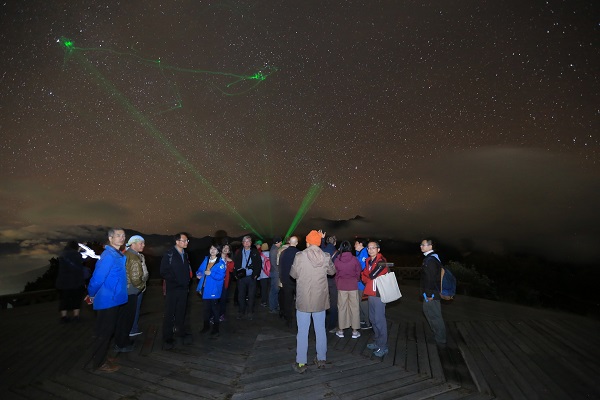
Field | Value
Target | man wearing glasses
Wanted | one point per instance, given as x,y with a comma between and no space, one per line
431,280
247,260
175,269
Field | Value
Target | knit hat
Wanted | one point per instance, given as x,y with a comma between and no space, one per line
135,239
264,247
314,238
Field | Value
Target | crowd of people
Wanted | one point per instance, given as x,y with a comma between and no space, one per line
332,286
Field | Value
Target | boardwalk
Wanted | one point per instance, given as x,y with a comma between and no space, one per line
495,350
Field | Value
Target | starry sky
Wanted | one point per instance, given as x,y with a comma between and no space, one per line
472,121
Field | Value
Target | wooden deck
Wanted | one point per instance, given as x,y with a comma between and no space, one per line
494,350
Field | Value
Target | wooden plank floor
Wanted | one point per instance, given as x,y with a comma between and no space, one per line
494,350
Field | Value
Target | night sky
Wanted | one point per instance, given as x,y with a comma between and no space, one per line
472,121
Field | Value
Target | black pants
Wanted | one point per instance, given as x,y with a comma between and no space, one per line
125,321
289,290
246,288
175,309
106,321
211,309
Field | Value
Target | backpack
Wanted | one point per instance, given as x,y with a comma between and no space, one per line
266,264
448,284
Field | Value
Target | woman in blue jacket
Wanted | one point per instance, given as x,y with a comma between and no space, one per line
211,275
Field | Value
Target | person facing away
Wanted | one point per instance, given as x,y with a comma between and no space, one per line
176,270
310,269
347,275
264,278
108,290
70,281
247,259
375,266
211,275
360,246
286,259
134,261
274,292
431,281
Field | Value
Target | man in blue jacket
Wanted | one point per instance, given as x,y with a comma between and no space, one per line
108,289
176,270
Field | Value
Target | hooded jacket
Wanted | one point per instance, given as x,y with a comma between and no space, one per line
310,269
348,271
213,283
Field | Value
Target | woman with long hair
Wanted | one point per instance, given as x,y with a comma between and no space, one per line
347,275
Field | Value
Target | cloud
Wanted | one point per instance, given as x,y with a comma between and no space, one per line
502,199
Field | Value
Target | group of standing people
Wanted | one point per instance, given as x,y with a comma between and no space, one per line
300,290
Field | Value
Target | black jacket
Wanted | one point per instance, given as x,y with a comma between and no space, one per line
431,276
175,270
255,261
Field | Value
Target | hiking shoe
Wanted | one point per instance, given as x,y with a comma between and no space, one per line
355,335
339,333
319,363
107,367
380,352
372,346
299,369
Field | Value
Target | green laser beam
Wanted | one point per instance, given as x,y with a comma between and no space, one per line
150,128
307,202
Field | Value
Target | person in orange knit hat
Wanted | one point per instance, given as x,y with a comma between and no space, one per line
310,269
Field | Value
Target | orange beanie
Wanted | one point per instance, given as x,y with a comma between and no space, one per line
314,238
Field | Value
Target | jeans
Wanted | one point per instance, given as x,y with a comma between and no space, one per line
377,315
135,328
274,293
303,319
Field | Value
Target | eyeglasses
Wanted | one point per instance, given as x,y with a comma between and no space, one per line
183,240
424,244
372,248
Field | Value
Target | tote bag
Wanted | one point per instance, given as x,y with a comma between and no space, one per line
387,285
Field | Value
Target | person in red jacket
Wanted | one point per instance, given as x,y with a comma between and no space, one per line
376,265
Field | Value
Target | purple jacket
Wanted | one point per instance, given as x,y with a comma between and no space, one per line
348,271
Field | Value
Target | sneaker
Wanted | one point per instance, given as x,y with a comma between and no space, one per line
372,346
339,333
126,349
365,326
107,367
319,363
64,320
132,334
299,369
273,311
355,335
380,352
222,318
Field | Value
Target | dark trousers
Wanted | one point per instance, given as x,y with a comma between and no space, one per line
289,290
211,309
223,301
246,288
332,314
175,308
106,322
125,321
